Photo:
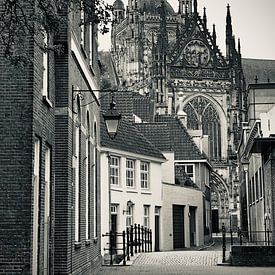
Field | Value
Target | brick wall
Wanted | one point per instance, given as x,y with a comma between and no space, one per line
24,115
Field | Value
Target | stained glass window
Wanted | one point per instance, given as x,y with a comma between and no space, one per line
201,114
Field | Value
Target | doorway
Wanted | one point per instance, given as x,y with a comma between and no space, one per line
114,227
157,227
192,224
178,226
215,220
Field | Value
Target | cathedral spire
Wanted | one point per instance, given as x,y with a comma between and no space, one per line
228,23
239,46
214,34
195,6
204,17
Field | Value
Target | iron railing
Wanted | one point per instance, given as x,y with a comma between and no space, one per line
123,245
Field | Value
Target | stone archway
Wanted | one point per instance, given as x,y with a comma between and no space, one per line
220,198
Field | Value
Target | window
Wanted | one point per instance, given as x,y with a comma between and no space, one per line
253,189
45,62
146,219
250,192
257,185
88,187
144,175
129,215
261,182
130,173
202,113
114,170
36,187
95,192
184,173
76,182
47,207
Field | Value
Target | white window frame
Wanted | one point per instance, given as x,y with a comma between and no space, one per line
130,173
146,216
95,190
36,185
76,181
115,170
185,167
129,215
47,207
45,62
144,175
87,181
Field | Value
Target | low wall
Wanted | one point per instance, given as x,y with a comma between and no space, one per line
253,255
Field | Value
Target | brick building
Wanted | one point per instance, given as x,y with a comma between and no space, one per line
49,169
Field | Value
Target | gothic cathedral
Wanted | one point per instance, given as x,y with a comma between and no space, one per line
173,58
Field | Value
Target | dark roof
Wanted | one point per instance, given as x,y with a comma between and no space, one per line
158,133
128,139
123,100
151,6
262,68
180,141
108,71
118,4
143,107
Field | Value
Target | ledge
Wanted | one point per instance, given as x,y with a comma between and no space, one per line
87,242
146,192
131,191
77,245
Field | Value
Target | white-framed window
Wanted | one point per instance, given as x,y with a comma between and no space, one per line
114,170
36,187
130,173
114,209
76,181
95,196
47,207
45,62
188,170
144,175
146,217
129,215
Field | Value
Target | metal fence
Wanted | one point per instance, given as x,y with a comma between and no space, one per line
123,245
240,237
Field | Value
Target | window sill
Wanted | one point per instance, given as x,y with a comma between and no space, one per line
47,101
116,188
87,242
147,192
131,191
77,245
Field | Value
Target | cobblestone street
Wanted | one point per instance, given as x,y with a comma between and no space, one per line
182,262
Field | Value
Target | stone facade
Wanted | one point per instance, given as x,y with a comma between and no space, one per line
173,58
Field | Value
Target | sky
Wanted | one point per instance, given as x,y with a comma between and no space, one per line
253,22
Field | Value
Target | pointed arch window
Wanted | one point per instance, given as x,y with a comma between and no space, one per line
202,115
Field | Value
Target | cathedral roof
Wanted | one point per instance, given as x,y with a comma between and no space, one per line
118,5
151,7
262,68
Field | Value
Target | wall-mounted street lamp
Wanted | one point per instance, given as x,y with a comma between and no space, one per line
111,117
128,205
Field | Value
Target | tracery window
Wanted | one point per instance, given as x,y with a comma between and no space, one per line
201,114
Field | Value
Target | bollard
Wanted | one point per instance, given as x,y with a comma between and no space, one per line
142,238
132,240
128,243
139,238
150,240
267,237
223,244
241,238
135,238
124,247
231,236
111,247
